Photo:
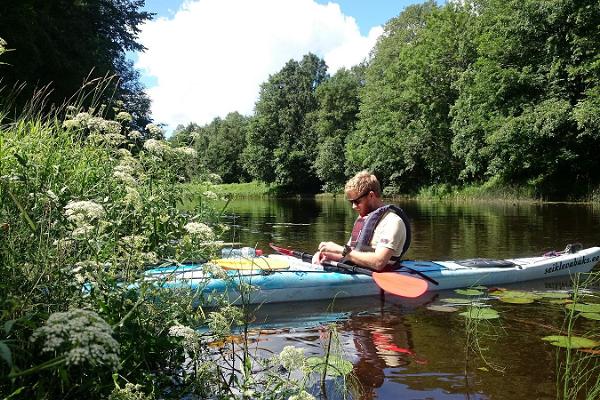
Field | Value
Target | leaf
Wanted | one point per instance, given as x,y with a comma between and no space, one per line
519,294
454,300
337,366
572,342
516,300
6,354
480,313
584,308
469,292
8,326
442,308
594,316
554,295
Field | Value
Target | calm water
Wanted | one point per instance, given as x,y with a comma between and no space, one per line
401,349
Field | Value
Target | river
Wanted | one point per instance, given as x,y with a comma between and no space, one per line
406,349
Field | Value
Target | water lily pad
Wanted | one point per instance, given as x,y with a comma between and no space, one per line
480,313
469,292
584,308
336,366
442,308
560,301
479,287
516,300
455,300
590,315
518,294
572,342
554,295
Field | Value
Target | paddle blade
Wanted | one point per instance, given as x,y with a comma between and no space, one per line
399,284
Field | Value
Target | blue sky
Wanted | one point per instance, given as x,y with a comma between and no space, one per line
206,58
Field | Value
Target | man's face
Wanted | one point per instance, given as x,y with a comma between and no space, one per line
361,202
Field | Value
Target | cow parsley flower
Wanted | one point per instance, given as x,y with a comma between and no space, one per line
292,358
156,147
134,135
186,152
133,198
303,395
216,271
199,229
210,195
83,212
154,131
82,336
111,127
124,116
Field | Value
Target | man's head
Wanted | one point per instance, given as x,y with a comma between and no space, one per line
364,192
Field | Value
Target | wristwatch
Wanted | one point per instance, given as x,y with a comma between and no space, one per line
347,249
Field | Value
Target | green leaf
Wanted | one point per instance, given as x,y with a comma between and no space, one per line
584,308
442,308
516,300
480,313
572,342
517,294
455,300
554,295
469,292
6,354
337,366
594,316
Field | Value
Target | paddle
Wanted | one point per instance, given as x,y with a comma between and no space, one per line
391,282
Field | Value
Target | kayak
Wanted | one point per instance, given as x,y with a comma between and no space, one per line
278,278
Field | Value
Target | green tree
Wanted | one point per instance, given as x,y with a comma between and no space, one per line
335,119
281,139
63,43
527,110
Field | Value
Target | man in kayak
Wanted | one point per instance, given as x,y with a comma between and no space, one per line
381,233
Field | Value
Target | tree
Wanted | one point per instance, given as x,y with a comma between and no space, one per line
62,42
281,140
335,119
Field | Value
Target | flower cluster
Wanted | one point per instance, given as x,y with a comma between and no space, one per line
210,195
124,117
186,152
292,358
129,392
82,336
134,135
156,147
199,230
214,270
83,212
303,395
220,322
154,131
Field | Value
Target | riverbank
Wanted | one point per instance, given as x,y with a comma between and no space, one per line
485,192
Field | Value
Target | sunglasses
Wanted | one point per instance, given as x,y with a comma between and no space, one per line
356,201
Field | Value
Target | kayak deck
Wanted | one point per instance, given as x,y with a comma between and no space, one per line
303,281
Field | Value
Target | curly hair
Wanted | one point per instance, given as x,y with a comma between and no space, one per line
363,182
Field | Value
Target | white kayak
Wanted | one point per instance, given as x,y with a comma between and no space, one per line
292,280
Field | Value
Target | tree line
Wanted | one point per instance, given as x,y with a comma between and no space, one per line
486,92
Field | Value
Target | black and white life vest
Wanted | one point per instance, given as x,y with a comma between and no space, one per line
364,228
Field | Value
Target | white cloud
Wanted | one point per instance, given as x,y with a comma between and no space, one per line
211,56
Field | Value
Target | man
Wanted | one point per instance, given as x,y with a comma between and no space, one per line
381,233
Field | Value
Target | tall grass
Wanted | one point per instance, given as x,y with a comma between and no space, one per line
85,205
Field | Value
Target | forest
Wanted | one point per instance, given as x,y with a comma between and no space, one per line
487,93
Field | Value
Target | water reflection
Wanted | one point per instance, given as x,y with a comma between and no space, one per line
399,348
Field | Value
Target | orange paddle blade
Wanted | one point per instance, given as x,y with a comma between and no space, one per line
399,284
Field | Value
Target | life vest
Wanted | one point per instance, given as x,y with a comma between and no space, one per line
361,237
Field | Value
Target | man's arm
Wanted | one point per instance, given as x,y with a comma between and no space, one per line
376,260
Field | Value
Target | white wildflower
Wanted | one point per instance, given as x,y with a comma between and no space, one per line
210,195
82,232
134,241
82,118
214,179
124,116
182,331
71,124
52,196
303,395
124,177
83,212
133,198
124,153
157,147
199,229
134,135
154,131
216,271
186,152
292,358
82,336
111,127
149,258
95,124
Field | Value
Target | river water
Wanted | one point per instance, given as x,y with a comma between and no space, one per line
403,349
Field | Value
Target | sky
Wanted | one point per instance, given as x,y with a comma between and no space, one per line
207,58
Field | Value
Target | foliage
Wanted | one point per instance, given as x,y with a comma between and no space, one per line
281,140
65,43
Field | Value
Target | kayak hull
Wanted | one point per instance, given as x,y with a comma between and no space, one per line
304,281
